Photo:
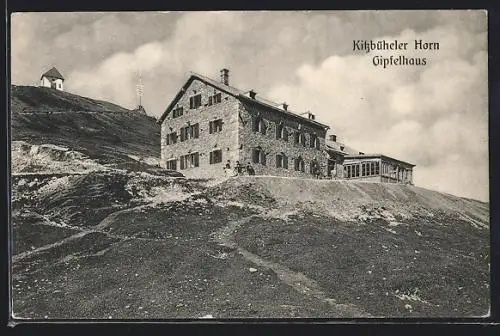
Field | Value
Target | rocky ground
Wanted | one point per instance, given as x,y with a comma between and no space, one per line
134,245
100,231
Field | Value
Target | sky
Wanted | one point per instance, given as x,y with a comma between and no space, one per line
434,116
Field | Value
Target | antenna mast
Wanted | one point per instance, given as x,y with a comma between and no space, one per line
140,89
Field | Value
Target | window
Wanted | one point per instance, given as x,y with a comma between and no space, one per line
314,167
300,165
190,161
172,164
314,141
171,138
216,156
195,101
177,112
281,161
303,139
353,170
214,99
300,138
259,125
363,169
281,132
215,126
258,156
190,131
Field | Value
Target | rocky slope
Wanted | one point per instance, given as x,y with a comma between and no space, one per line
100,232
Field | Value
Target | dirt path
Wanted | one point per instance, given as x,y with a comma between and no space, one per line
298,281
83,232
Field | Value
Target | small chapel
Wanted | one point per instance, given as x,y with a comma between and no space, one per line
52,79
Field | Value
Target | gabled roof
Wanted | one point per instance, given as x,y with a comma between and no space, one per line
374,156
237,93
53,73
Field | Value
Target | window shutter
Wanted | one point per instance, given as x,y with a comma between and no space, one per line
263,158
255,125
182,162
285,134
263,127
197,130
285,162
196,159
211,157
191,100
211,126
278,131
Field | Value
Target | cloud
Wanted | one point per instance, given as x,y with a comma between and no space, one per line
434,116
195,34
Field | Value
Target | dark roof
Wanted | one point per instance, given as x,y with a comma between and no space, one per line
54,73
237,93
373,156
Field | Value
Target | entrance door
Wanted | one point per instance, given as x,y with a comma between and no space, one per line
331,168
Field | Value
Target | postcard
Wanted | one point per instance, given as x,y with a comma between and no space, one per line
249,165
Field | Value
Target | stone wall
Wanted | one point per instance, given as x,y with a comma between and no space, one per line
226,140
249,139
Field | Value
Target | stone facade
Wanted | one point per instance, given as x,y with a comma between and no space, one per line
236,139
273,146
225,140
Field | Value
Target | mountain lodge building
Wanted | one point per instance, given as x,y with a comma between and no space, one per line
209,123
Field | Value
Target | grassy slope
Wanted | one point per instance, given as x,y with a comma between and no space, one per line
109,137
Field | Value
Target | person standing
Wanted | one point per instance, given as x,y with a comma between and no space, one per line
227,168
250,169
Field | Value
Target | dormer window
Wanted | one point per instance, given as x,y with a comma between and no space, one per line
195,101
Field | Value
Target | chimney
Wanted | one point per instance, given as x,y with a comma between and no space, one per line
284,106
309,115
252,94
361,153
224,76
333,137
